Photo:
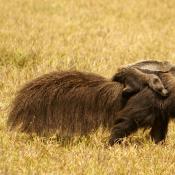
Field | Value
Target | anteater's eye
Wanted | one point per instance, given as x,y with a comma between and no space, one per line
155,81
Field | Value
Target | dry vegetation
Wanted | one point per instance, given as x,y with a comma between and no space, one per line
38,36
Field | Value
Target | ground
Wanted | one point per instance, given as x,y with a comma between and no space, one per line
39,36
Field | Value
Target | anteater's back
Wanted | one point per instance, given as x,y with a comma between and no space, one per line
66,102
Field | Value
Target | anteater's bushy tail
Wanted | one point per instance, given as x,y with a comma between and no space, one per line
31,110
23,113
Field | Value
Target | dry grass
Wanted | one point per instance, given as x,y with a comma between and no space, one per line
38,36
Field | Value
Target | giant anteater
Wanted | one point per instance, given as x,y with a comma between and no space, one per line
70,103
147,109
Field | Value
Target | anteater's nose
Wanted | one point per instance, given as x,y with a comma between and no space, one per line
165,92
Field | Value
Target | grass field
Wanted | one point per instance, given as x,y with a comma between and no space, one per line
39,36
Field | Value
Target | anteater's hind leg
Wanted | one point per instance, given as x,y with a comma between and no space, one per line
159,128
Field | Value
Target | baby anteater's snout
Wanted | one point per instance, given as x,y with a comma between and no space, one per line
164,92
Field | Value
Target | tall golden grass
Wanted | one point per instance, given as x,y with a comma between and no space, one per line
39,36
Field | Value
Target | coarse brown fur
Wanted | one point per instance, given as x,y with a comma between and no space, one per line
151,111
67,103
